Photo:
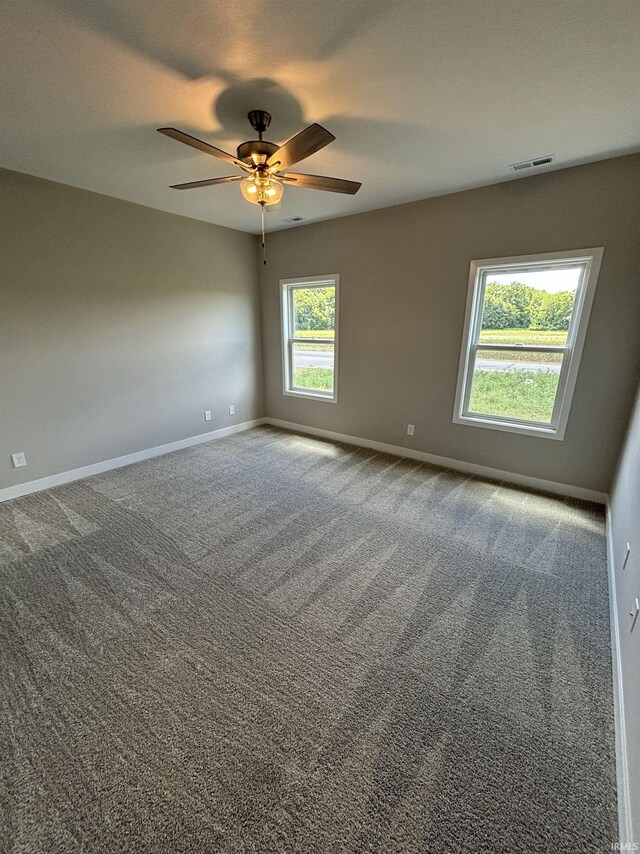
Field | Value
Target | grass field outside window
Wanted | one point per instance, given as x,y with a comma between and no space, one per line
519,394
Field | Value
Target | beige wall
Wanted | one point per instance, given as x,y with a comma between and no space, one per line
625,528
403,279
119,326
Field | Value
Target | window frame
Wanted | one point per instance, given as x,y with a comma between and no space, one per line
287,286
572,350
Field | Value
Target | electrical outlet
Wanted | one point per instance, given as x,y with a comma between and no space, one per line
19,460
411,429
634,615
626,557
207,415
232,410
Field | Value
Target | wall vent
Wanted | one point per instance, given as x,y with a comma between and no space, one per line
532,164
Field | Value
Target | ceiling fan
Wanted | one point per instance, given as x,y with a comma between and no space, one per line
265,164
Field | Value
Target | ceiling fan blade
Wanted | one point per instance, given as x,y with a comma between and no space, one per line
181,136
319,182
209,182
301,145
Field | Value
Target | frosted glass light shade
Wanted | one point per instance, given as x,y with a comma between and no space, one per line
261,189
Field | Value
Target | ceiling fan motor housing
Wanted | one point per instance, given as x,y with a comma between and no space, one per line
256,151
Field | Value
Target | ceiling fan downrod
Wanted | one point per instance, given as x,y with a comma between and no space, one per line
259,121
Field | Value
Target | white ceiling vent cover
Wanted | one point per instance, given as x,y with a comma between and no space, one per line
536,162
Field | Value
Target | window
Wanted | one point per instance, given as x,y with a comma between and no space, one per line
525,326
310,337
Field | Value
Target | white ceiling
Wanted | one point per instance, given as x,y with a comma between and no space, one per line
424,96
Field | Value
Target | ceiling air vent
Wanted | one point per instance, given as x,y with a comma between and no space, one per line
293,219
532,164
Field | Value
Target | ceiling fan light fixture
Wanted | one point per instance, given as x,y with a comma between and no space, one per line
261,189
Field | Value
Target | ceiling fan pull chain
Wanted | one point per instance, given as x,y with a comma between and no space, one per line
264,251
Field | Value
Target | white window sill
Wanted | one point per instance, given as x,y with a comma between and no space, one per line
309,395
510,427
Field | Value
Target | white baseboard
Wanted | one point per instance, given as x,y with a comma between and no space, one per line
622,765
117,462
446,462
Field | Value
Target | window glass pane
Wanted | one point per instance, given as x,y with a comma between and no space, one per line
313,367
529,307
515,384
314,312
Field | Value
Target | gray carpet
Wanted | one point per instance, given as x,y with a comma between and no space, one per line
273,643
